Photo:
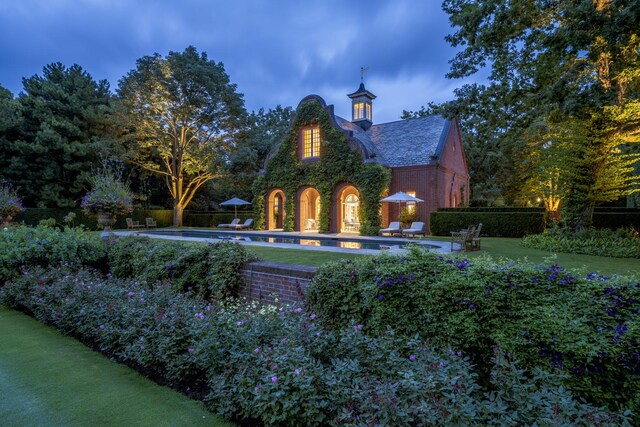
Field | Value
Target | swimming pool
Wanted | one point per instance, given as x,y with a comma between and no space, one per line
332,242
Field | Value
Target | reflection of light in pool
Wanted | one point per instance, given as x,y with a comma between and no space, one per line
350,245
271,240
310,242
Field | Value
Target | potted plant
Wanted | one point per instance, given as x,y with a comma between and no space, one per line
407,216
10,202
109,196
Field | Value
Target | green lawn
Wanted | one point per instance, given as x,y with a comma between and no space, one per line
50,379
494,246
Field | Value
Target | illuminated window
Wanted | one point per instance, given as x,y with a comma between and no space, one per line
311,141
368,112
411,206
358,110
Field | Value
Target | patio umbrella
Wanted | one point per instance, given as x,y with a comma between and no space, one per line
401,197
235,202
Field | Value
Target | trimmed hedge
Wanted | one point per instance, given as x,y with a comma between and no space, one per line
32,216
494,224
614,220
213,219
491,209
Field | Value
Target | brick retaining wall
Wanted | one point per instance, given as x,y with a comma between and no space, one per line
265,281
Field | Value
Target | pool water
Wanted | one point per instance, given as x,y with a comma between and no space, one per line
334,242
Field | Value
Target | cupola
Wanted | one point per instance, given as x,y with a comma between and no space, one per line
361,110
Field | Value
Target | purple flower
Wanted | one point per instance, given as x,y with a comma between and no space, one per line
380,297
441,364
190,350
101,326
297,310
357,328
412,357
297,372
313,316
256,351
200,315
130,294
274,379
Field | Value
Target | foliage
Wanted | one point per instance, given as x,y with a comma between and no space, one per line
262,131
407,215
51,134
494,224
212,271
44,246
586,328
109,193
622,243
181,115
10,201
572,65
33,216
338,164
279,366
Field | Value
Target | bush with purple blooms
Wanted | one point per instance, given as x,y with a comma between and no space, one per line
278,366
109,193
10,202
585,327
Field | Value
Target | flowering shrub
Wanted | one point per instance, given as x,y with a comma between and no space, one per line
10,201
585,327
46,246
109,193
622,243
278,366
212,271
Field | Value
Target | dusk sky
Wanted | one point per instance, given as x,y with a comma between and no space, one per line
277,52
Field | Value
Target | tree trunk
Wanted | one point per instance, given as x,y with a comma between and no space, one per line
178,210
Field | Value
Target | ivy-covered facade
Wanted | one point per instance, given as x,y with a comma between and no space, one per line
329,174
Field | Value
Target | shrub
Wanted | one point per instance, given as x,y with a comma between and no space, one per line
10,202
494,224
279,367
211,270
46,246
546,317
621,243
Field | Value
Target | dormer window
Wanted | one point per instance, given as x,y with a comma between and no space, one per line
311,142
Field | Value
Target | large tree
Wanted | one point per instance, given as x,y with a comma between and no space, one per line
181,115
573,64
51,134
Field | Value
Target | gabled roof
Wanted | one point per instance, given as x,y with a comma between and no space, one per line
409,142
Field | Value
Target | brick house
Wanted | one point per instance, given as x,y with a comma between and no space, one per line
422,157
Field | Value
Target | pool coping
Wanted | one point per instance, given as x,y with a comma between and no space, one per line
442,247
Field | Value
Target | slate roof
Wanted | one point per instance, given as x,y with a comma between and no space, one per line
410,142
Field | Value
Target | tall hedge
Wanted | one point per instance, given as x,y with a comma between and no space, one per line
32,216
494,224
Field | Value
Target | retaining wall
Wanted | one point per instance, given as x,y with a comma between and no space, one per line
267,281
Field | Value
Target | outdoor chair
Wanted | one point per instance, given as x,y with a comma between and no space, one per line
462,237
151,223
230,225
394,228
474,241
131,224
416,228
246,225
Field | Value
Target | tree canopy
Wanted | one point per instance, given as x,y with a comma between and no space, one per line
572,64
51,134
180,115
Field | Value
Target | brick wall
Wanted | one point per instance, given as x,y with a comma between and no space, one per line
265,281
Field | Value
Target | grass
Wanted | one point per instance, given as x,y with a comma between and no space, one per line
496,247
50,379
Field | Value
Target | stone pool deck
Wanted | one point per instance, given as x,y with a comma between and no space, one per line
393,242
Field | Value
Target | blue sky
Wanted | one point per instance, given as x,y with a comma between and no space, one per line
276,51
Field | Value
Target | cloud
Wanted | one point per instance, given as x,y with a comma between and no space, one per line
277,52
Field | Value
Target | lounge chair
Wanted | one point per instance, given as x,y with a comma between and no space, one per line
462,237
246,225
394,228
131,224
151,223
230,225
415,229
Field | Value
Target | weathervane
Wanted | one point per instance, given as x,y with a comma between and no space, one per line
362,71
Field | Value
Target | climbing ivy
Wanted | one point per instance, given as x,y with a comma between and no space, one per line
338,164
